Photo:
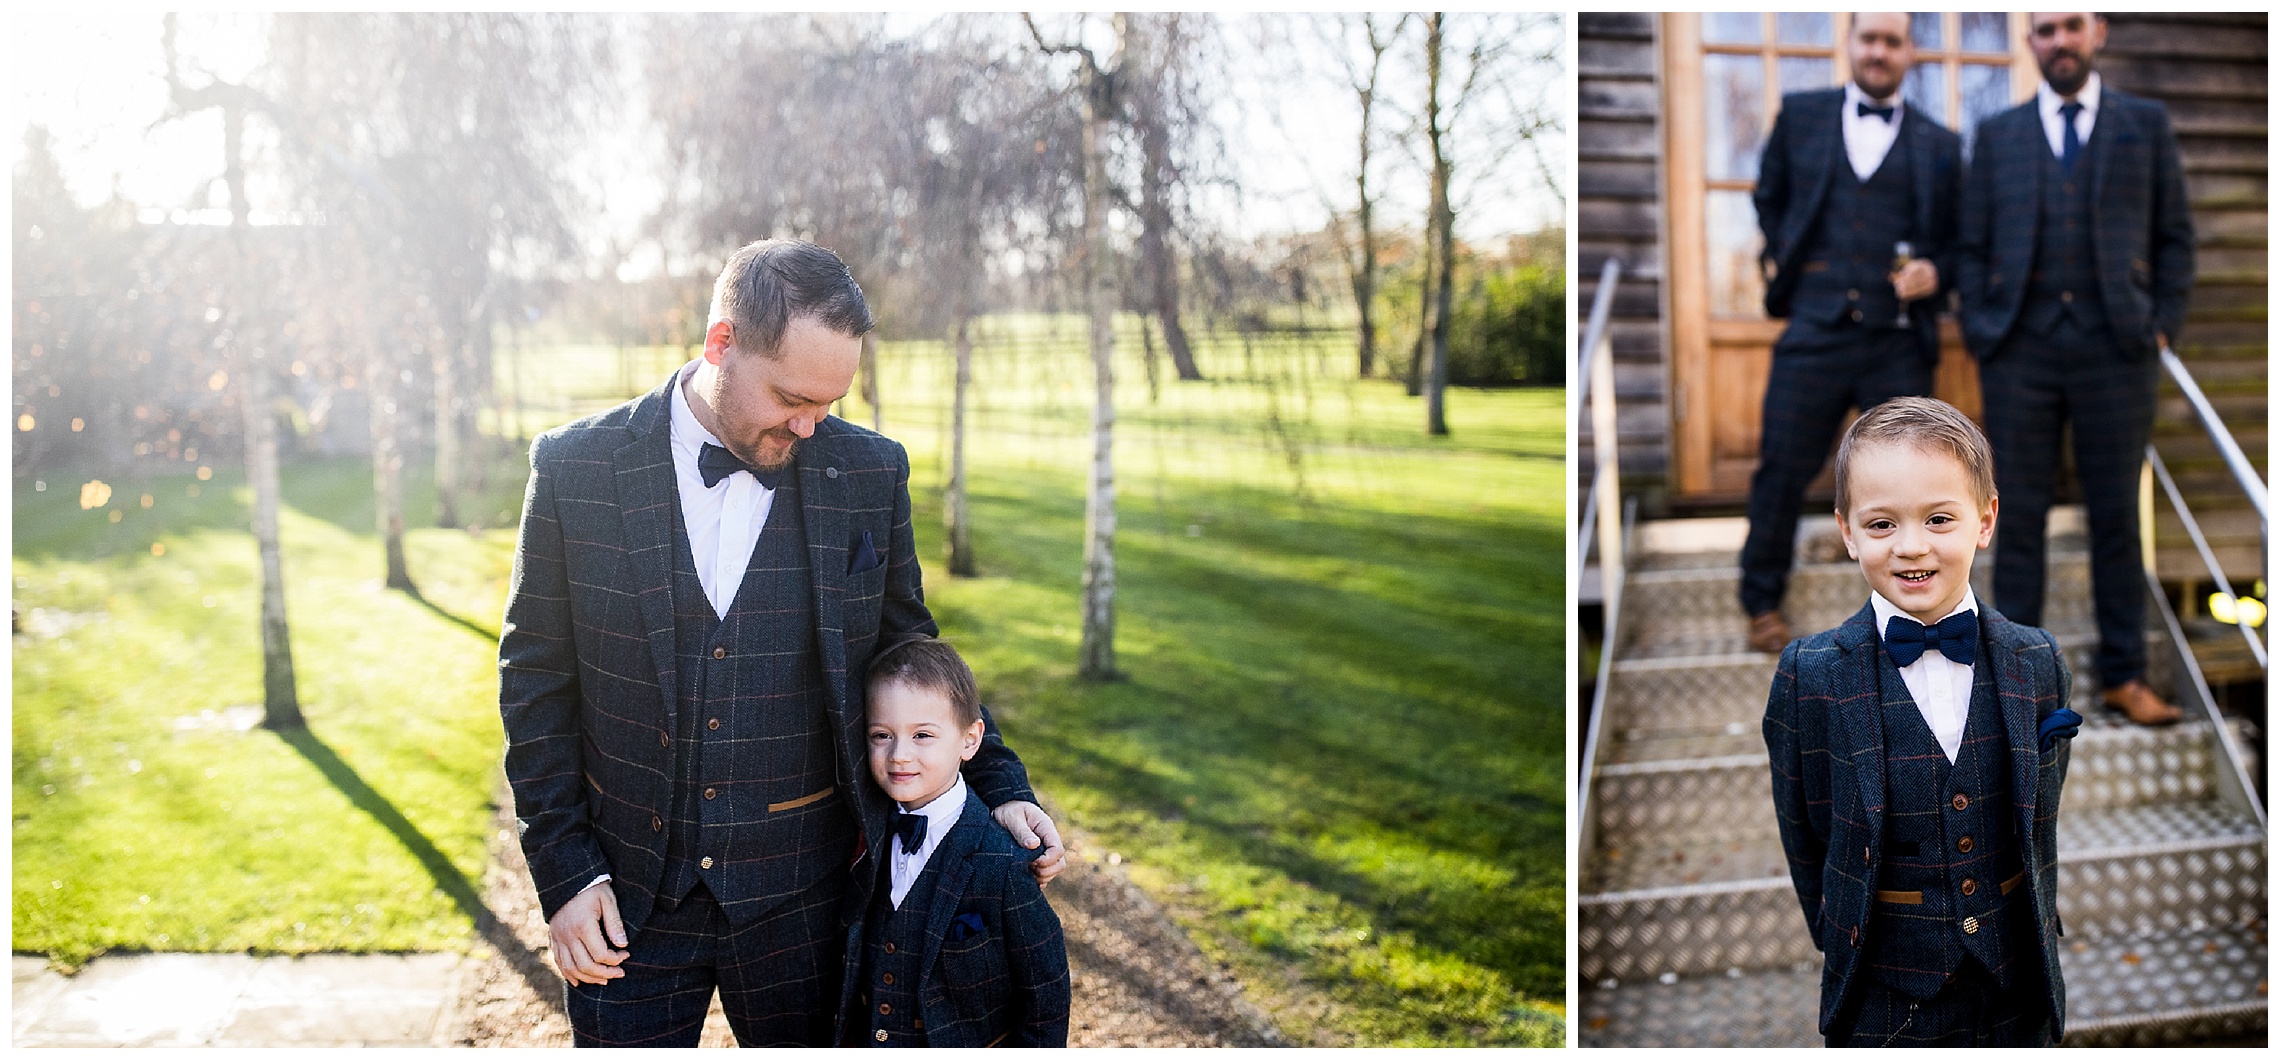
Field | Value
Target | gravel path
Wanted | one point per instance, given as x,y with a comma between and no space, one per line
1138,980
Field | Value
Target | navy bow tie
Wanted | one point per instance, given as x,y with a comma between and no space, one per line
1956,636
1868,111
716,463
911,829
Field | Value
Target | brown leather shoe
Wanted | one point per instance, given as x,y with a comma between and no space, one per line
2137,700
1769,633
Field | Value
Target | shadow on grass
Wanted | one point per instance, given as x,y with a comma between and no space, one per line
489,635
448,878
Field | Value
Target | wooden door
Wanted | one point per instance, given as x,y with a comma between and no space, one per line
1723,75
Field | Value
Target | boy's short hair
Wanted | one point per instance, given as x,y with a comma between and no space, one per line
932,665
1922,423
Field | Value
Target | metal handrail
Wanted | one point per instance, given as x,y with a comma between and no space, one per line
2232,779
1602,306
2208,555
1600,512
2243,472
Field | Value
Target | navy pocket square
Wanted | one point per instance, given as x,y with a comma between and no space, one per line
966,926
2061,724
863,555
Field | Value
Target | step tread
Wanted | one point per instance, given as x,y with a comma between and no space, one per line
2118,989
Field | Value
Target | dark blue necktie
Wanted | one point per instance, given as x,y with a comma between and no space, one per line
716,463
1956,636
2070,138
1868,111
910,828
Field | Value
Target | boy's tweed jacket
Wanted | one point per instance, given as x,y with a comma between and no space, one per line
1005,984
1806,152
1824,734
2141,224
587,666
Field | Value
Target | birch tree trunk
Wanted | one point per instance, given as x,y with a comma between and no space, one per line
1097,648
868,365
1441,249
443,367
954,519
387,462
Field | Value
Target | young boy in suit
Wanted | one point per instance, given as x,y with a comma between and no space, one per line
1917,753
957,947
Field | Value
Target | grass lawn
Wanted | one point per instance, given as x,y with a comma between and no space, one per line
1336,756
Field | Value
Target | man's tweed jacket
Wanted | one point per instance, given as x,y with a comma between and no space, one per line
586,658
2141,223
1006,984
1824,734
1806,151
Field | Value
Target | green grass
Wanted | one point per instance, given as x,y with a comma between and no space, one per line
1335,758
142,821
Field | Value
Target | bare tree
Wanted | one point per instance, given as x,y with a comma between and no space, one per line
248,335
1361,251
1156,86
1097,84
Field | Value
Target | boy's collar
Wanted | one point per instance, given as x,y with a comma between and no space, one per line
1886,609
942,811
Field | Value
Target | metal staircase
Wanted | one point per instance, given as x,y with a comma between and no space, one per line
1689,932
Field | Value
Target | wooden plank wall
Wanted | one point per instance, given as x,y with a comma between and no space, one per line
1619,215
2211,70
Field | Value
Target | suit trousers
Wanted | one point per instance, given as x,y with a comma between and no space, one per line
1818,374
2035,386
1971,1010
778,976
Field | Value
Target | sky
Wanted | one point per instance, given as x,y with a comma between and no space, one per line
95,80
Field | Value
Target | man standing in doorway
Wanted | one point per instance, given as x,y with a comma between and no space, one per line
2077,262
1857,195
702,576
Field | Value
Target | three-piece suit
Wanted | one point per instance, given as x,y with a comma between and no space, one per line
713,765
1930,888
2068,273
973,957
1829,241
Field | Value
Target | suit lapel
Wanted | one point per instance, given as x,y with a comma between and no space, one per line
955,858
646,491
1861,710
1833,161
2108,131
2015,698
824,517
1919,156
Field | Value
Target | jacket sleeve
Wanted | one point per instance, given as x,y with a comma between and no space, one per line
538,704
1974,234
995,772
1802,840
2172,235
1038,960
1947,170
1773,191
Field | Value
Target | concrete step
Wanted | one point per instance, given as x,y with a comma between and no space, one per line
1704,906
2149,990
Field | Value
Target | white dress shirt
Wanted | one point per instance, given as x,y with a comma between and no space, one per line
2048,103
723,520
1940,686
940,814
1868,139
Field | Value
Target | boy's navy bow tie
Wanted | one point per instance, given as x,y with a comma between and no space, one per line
1866,111
716,463
1956,636
911,829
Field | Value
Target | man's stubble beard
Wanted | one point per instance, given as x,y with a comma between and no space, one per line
2081,76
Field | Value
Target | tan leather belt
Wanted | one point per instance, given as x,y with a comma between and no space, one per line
810,800
1917,897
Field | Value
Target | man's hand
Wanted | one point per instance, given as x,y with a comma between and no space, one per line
1920,279
2160,340
1029,827
580,951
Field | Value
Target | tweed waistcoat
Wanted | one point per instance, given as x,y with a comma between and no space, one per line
2064,280
751,737
893,940
1848,263
1948,837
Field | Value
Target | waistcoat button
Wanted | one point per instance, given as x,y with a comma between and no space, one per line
720,653
657,824
713,724
887,978
1960,801
709,793
879,1035
1971,925
886,1009
1964,845
1970,887
890,947
705,864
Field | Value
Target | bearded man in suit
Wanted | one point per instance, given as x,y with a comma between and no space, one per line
2077,261
1847,175
702,576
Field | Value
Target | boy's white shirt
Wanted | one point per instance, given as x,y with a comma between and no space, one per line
941,815
1940,686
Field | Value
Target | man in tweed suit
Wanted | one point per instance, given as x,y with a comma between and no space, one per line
2077,262
701,578
1847,175
1917,753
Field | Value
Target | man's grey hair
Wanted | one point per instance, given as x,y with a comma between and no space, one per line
768,283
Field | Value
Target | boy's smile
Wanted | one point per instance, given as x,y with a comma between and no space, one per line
916,745
1915,526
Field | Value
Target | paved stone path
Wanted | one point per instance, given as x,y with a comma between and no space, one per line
232,999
